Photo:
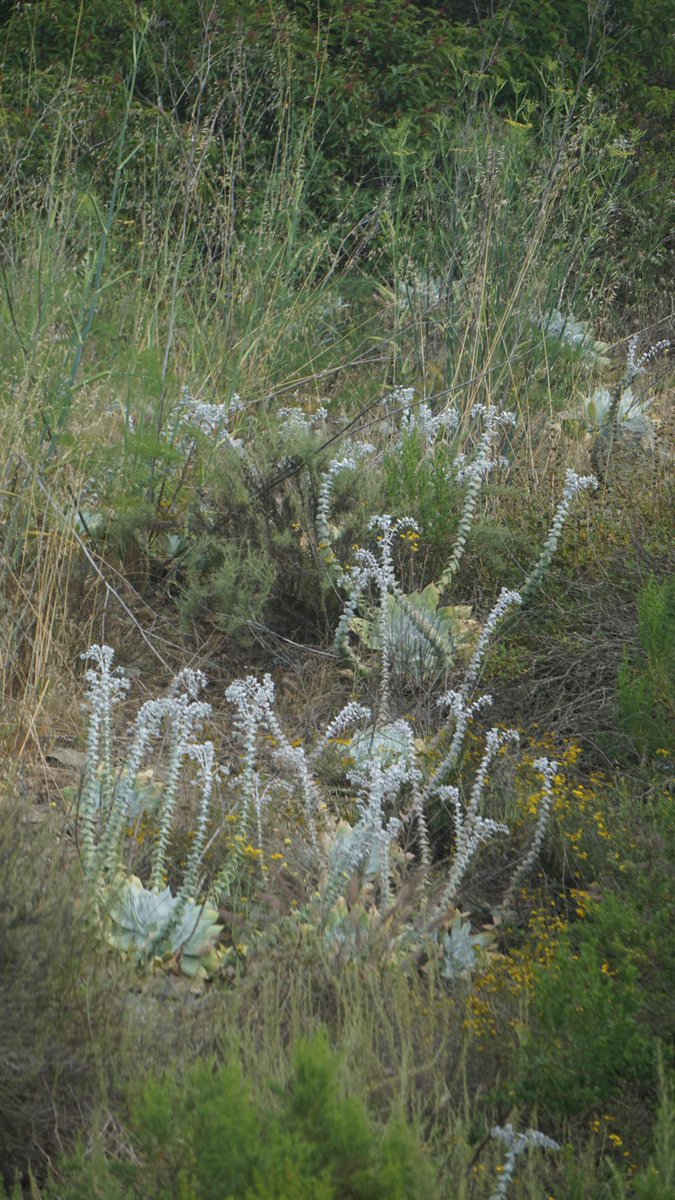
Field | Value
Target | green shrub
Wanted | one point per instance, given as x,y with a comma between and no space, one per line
647,691
586,1037
205,1136
419,484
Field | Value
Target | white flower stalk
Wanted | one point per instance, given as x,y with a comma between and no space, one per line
399,761
471,829
462,714
294,759
548,770
146,728
185,716
400,398
298,421
636,366
368,846
353,582
422,421
350,715
188,682
210,419
384,578
349,462
418,812
105,688
203,755
377,571
385,581
506,600
252,701
574,485
474,475
102,831
516,1144
495,741
474,833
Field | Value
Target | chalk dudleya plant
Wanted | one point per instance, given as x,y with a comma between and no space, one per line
386,765
578,335
384,753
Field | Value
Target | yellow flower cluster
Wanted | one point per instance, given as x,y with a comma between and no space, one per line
502,988
412,538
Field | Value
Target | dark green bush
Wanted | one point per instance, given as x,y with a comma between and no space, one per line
647,691
587,1039
205,1137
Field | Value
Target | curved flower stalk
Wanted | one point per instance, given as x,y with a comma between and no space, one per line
384,578
574,485
471,828
254,704
204,756
474,475
461,713
377,571
210,419
185,716
367,846
105,688
355,582
148,919
637,365
400,399
548,770
251,701
516,1144
349,462
621,399
349,716
506,599
106,858
297,420
420,420
471,835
